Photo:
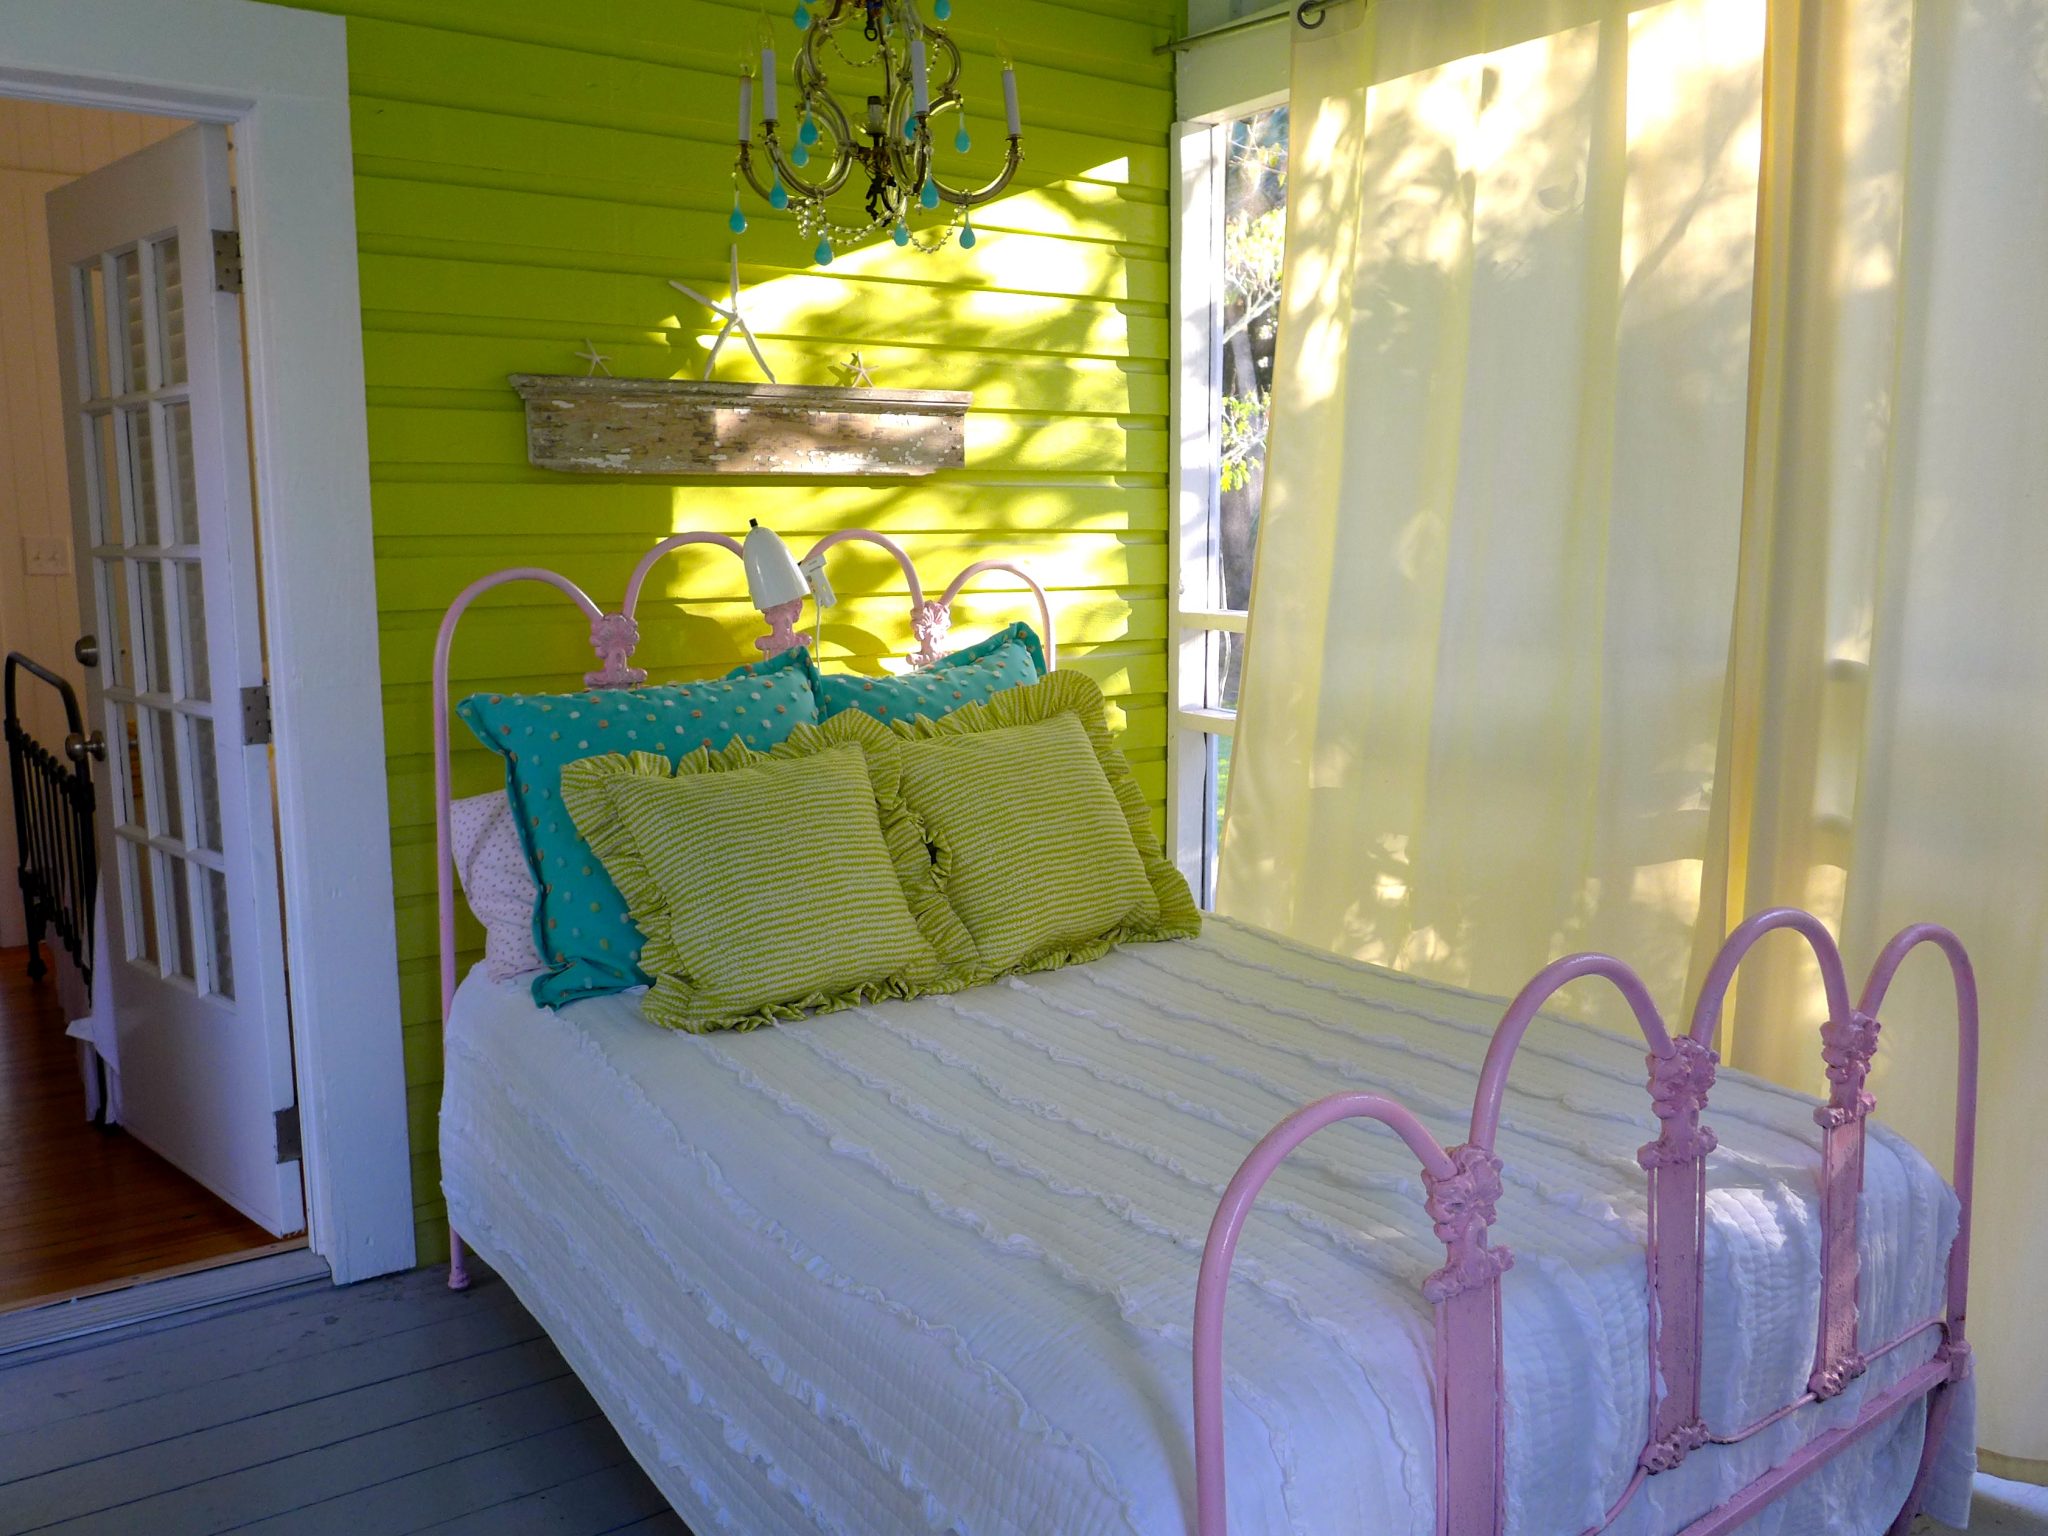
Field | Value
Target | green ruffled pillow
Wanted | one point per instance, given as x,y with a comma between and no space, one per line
769,885
1040,837
580,924
1010,658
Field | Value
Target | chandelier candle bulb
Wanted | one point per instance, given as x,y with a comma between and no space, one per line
768,84
746,107
920,85
1016,123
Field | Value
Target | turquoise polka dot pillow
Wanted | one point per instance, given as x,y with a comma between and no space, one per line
1010,658
580,924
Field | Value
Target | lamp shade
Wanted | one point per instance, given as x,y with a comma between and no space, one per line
772,575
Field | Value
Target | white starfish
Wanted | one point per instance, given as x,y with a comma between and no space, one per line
730,313
595,358
855,371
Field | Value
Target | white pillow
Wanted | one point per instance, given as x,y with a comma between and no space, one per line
500,889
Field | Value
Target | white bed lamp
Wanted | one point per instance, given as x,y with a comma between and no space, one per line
773,577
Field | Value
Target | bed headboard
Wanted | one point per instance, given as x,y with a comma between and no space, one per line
614,635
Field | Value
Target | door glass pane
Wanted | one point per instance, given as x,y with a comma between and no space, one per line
198,676
184,519
217,921
92,295
141,496
165,729
205,787
133,344
105,490
138,885
178,959
154,672
124,762
113,623
170,310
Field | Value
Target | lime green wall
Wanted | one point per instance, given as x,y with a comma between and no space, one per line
529,173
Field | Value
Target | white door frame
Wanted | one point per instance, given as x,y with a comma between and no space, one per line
280,77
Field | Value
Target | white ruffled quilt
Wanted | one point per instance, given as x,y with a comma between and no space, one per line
930,1265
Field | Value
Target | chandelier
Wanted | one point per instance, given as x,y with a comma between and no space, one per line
914,72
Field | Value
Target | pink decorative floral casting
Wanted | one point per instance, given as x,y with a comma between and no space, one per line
1847,1045
1662,1455
1833,1379
1461,1205
614,636
1679,1085
929,626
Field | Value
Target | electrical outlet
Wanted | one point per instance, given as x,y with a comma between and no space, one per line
45,556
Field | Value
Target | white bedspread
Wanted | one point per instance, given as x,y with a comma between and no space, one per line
931,1265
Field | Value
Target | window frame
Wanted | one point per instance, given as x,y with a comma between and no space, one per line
1195,615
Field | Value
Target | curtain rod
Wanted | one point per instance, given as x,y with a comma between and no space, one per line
1308,14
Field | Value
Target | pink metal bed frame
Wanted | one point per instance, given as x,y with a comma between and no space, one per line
1462,1184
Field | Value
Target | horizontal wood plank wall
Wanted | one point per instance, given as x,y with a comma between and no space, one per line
529,175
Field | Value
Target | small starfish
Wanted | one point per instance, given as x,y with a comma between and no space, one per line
730,313
595,358
855,372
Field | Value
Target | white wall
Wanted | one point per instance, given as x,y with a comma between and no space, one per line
41,146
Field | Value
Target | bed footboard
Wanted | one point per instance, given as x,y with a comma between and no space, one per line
1462,1186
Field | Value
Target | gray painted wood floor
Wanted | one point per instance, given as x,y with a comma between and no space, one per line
390,1407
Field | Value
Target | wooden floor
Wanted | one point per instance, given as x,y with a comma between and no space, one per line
81,1208
391,1407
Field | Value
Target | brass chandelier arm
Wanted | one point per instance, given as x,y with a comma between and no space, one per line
988,192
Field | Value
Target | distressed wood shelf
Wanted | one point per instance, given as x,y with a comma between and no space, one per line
607,426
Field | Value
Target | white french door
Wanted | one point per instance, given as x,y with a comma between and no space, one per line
151,350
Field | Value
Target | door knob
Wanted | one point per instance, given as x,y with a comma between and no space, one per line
78,748
87,650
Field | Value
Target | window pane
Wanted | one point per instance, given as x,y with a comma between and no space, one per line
1254,233
170,310
1220,787
1222,668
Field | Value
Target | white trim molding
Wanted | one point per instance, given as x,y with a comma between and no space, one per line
280,76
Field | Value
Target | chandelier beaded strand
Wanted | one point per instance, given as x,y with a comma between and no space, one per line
919,78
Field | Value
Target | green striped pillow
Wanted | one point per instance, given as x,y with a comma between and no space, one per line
770,885
1040,837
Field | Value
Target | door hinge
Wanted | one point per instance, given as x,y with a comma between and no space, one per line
256,716
227,261
288,1147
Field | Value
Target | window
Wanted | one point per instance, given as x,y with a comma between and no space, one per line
1232,221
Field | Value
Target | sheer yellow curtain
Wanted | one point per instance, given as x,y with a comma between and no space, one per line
1501,520
1655,528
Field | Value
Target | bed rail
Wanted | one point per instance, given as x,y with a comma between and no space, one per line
1462,1186
614,636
